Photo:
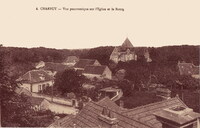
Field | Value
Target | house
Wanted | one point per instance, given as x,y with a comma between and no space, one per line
40,64
189,69
71,60
99,72
39,103
113,93
82,63
35,80
50,67
126,52
23,91
171,113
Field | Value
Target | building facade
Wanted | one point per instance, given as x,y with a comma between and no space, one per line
36,80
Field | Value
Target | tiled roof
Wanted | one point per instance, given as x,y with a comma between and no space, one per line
71,59
54,66
36,100
20,90
82,63
62,122
188,69
146,115
140,117
95,69
127,43
89,117
35,76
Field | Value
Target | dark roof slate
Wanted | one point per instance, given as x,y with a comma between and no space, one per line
55,66
35,76
82,63
145,113
140,117
36,100
89,116
127,43
95,69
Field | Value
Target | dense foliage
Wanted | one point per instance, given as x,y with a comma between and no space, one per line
69,81
15,109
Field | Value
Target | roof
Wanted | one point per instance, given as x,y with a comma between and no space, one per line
36,100
55,66
82,63
109,89
95,69
127,43
35,76
146,115
89,117
71,59
188,69
140,117
63,121
21,90
178,116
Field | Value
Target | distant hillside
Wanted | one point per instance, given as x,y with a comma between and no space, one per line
22,59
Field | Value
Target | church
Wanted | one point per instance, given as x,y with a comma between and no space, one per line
127,52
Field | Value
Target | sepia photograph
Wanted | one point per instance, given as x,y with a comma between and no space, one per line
100,63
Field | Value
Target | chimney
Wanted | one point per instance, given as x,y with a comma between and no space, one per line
163,93
108,116
178,117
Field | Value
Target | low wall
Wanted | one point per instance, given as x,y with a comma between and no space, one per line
55,99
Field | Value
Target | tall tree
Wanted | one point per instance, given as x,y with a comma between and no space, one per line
69,81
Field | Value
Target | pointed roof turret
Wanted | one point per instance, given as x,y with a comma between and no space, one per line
127,43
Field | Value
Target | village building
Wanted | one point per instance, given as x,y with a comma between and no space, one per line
171,113
189,69
23,91
35,80
97,72
82,63
126,52
39,104
113,93
71,60
51,68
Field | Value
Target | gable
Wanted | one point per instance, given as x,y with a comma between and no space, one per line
98,70
82,63
35,76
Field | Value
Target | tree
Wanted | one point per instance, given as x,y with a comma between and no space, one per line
69,81
15,110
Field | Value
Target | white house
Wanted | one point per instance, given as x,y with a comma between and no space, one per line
71,60
36,80
99,72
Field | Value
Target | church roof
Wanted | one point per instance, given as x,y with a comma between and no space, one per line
127,43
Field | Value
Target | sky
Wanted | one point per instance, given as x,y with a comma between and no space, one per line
151,23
